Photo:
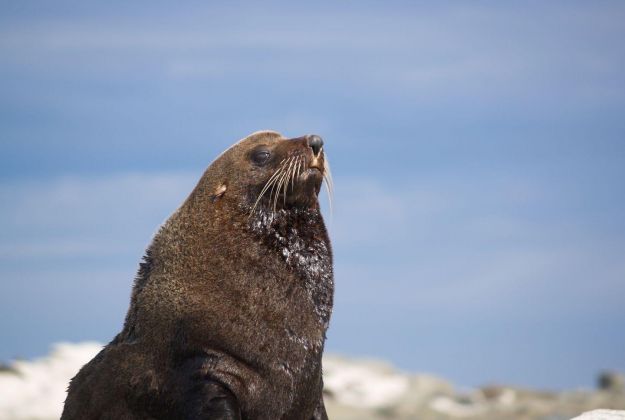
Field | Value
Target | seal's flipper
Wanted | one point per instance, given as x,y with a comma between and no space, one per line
211,400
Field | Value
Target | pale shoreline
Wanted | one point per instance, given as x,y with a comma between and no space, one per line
362,389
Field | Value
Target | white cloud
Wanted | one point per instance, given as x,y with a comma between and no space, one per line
74,216
458,246
433,52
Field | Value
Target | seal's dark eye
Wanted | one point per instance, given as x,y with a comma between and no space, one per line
260,156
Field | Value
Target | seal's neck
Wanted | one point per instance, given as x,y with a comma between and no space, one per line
299,237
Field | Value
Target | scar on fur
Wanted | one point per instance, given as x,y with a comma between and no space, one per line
219,192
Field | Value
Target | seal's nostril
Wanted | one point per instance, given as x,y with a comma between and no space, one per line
315,142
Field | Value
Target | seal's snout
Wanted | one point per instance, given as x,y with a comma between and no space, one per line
315,143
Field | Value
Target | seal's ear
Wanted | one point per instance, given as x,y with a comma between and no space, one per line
219,192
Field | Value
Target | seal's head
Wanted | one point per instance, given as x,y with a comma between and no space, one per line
268,172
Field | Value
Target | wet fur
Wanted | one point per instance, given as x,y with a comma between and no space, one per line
228,313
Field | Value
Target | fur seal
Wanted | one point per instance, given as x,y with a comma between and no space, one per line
231,303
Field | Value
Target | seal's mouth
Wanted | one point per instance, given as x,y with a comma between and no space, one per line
312,171
297,179
317,162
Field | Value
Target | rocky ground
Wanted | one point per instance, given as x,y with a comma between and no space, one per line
368,390
355,389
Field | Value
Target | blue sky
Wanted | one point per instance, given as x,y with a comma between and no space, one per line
478,151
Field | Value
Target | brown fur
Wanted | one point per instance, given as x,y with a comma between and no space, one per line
229,310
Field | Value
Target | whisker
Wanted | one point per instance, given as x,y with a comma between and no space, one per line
329,183
300,167
327,174
295,166
287,176
289,172
279,185
273,194
268,185
329,197
294,175
271,181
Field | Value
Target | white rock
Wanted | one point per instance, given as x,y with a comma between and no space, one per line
602,415
361,383
453,408
36,390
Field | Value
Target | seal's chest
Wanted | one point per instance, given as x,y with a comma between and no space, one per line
310,259
301,242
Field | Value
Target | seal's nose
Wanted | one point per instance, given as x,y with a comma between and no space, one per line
315,142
